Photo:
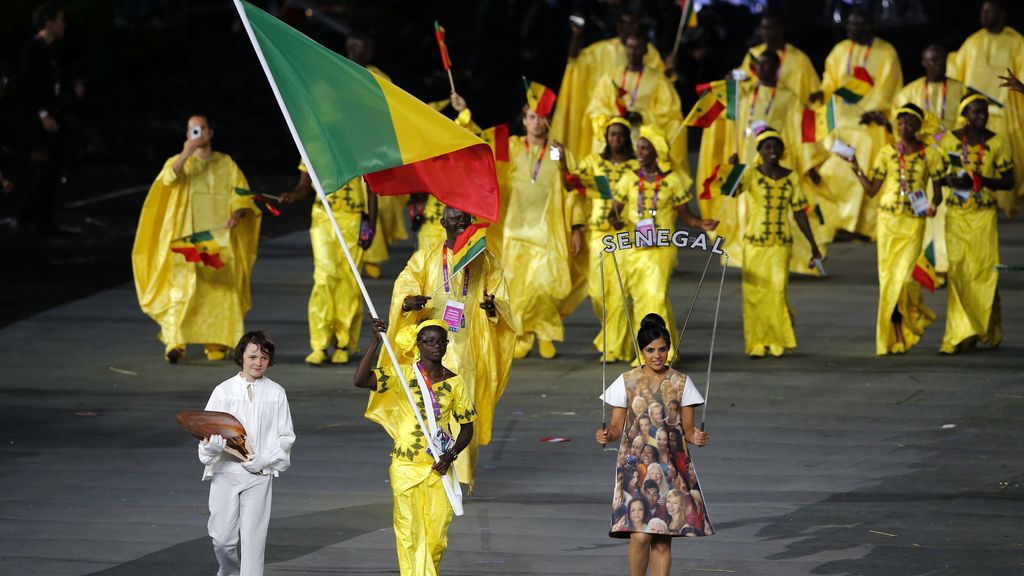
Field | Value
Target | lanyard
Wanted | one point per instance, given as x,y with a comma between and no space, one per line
864,61
444,274
636,85
753,104
928,100
654,199
903,169
536,167
430,390
975,176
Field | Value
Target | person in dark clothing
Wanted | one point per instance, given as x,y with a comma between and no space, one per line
38,87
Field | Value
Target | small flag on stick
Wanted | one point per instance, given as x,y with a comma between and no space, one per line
261,198
924,269
727,184
815,125
199,247
468,245
443,47
595,186
856,85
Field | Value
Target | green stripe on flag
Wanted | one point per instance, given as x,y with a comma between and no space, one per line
830,115
337,107
473,251
204,236
603,186
732,181
732,98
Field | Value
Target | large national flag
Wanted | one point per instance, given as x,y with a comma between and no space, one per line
199,247
924,269
727,184
816,124
351,122
856,85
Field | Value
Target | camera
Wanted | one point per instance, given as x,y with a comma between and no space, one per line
195,132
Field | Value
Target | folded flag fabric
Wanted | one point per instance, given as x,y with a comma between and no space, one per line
442,46
262,198
468,245
724,184
816,124
856,85
199,247
351,122
715,97
924,269
595,186
620,104
540,98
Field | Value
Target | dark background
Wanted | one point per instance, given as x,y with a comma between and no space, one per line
149,64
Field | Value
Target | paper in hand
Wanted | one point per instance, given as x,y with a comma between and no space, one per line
842,149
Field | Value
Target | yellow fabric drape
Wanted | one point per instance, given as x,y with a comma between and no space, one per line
481,353
979,62
783,112
973,306
190,302
421,519
570,124
847,207
767,317
646,271
796,74
899,245
656,101
431,232
619,340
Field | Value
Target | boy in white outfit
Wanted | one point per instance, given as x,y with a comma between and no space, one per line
240,492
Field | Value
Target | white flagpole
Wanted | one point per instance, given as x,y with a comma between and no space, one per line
453,497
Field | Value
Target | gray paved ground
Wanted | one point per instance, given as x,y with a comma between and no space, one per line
830,461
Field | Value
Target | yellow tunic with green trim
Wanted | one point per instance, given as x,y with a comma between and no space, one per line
336,304
619,340
646,271
193,303
900,233
421,509
972,240
767,247
845,205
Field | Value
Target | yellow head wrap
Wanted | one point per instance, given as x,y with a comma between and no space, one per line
657,139
929,121
766,134
600,124
966,101
405,341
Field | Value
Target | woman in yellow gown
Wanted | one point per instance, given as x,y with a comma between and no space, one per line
651,199
900,176
421,509
617,159
972,240
768,247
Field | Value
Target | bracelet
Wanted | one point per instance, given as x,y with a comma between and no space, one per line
451,452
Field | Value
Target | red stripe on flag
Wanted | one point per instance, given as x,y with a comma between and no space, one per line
708,118
808,126
463,179
922,277
701,88
467,234
546,103
439,34
577,184
861,73
706,194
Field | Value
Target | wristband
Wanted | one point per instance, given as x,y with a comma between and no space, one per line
451,452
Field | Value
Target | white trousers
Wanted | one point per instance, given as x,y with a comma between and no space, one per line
240,509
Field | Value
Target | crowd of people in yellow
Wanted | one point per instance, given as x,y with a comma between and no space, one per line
920,168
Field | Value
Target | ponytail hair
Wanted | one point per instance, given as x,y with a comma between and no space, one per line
652,327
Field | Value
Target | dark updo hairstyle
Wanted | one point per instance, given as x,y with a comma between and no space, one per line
257,337
652,327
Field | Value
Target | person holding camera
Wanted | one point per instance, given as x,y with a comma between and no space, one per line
193,209
335,304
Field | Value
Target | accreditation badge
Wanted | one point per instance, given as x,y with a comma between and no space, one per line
454,315
645,232
918,202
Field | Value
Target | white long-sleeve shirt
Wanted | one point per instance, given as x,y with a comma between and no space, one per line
267,421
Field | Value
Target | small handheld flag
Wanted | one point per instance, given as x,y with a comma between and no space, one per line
540,98
815,125
724,184
199,247
468,245
856,86
446,61
595,186
262,198
924,269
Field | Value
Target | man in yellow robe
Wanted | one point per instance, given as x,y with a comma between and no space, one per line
864,125
390,224
336,304
481,350
761,104
935,93
586,67
540,230
643,96
191,302
981,59
796,73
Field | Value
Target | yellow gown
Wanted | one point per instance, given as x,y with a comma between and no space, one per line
570,124
979,62
796,74
973,305
336,304
767,247
619,340
846,206
646,271
193,303
421,510
900,233
942,100
481,353
653,96
759,106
